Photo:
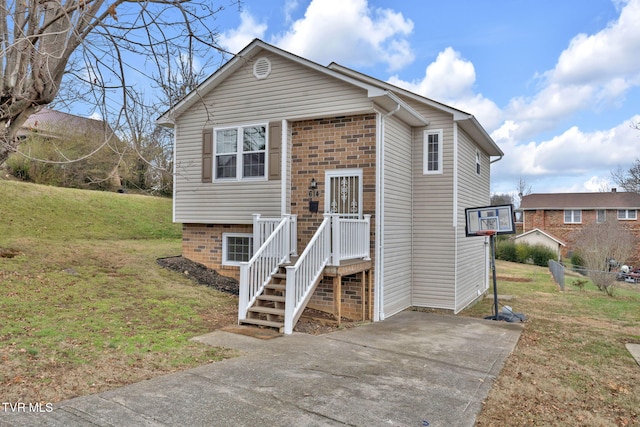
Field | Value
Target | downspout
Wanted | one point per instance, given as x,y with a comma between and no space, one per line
379,251
496,160
284,170
455,215
174,174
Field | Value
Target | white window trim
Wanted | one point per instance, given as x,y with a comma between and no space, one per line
425,157
478,163
225,254
239,152
604,211
626,215
573,220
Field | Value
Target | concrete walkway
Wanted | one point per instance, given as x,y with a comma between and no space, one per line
414,369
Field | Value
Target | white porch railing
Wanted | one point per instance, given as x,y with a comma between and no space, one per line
350,238
263,228
302,276
335,240
257,272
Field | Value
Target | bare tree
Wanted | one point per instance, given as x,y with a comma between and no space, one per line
501,199
101,46
601,246
628,179
523,188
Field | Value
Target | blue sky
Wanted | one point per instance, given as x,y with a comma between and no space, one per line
556,83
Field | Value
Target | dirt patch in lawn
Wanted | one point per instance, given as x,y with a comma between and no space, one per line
200,273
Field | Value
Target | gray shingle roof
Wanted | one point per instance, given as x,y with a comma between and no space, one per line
53,123
554,201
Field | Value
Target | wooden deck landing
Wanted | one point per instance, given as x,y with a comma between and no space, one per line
347,268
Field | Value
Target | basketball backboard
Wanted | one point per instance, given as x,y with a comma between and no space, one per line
482,220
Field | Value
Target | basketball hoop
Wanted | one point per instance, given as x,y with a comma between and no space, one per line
486,232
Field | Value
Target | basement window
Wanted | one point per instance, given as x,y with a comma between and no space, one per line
236,248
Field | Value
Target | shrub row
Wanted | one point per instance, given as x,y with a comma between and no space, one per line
523,253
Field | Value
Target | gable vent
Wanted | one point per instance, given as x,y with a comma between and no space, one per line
262,68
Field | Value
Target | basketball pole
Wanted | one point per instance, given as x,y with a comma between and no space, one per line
492,248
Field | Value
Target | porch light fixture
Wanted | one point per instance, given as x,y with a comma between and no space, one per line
313,188
313,192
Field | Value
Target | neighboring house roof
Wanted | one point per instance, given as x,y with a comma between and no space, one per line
537,230
384,94
56,124
559,201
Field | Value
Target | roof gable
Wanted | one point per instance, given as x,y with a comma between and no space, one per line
538,231
245,55
383,94
560,201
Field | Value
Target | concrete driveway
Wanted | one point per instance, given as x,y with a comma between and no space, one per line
414,369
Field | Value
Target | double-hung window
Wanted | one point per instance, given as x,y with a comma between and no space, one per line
240,152
573,216
236,248
627,214
432,162
601,216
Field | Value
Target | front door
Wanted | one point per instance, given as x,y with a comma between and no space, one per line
344,193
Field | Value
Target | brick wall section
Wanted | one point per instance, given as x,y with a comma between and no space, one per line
202,243
328,144
351,299
552,222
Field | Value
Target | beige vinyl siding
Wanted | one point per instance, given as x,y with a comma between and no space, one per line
433,231
473,191
291,91
397,217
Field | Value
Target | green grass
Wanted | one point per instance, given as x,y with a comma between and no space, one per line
83,304
571,366
59,214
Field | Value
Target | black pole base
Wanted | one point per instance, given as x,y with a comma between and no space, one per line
508,317
501,317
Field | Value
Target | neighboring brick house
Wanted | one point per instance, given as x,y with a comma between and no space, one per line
562,214
277,156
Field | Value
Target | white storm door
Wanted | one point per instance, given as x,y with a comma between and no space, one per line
344,193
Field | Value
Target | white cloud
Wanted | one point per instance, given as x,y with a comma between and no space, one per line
450,79
596,183
289,7
349,32
96,116
573,153
236,39
608,54
593,71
